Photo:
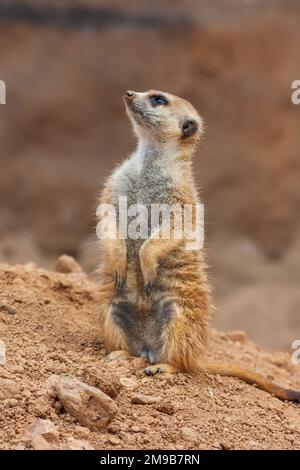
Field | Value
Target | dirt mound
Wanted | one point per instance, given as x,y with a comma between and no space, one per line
49,327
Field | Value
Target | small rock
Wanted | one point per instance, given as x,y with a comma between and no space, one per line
8,388
237,335
40,443
82,431
90,406
225,446
128,438
67,264
166,407
252,445
114,428
140,399
78,444
130,383
148,419
188,434
114,440
44,428
135,428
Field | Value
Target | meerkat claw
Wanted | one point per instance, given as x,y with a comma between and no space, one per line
159,369
150,371
119,282
148,288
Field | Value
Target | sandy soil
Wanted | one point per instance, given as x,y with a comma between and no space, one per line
64,128
48,323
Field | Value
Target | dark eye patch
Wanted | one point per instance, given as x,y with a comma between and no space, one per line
158,100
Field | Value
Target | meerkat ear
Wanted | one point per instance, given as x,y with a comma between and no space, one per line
188,127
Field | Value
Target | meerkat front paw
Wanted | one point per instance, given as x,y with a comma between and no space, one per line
119,355
160,369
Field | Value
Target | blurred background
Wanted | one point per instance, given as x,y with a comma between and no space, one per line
66,64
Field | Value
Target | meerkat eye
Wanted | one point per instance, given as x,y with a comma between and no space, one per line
158,100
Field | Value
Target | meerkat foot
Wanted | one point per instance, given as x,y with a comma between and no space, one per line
119,355
160,369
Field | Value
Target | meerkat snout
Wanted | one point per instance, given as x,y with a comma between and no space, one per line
128,94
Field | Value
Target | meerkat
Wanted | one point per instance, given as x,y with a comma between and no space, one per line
155,299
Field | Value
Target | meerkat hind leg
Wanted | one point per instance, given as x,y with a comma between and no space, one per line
119,355
161,368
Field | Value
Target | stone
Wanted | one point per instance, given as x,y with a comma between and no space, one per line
130,383
188,434
114,440
78,444
141,399
166,407
148,419
44,428
90,406
127,438
40,443
82,431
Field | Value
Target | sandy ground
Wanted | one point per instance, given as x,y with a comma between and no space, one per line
48,323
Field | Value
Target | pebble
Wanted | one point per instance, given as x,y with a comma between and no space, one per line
140,399
78,444
44,428
130,383
188,434
82,431
40,443
114,440
148,419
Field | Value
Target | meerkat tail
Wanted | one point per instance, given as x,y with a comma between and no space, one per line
252,378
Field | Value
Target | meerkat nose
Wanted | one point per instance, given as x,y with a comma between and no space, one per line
129,94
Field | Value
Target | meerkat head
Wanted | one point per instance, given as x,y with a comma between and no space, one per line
162,116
